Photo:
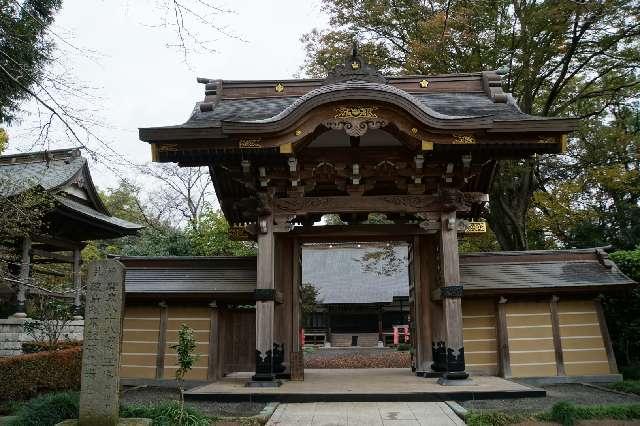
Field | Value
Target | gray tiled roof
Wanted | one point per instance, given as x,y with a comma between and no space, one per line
90,212
194,275
528,275
445,104
339,276
23,173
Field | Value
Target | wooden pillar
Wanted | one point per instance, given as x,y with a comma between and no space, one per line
504,358
265,299
77,285
606,338
451,293
422,254
296,361
557,340
162,340
214,355
25,268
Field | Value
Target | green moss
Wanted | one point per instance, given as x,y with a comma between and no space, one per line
629,386
47,410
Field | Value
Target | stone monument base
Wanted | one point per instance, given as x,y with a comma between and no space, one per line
121,422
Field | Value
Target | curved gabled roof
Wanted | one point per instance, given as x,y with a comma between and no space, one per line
54,171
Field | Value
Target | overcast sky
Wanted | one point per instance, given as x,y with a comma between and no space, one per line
142,82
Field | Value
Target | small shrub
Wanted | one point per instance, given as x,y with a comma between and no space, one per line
47,410
25,376
167,414
404,347
564,412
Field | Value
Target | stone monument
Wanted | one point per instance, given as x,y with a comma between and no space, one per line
100,382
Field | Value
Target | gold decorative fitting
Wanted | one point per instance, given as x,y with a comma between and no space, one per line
356,112
463,140
287,148
427,145
238,233
414,130
249,143
298,132
355,65
279,87
424,84
476,228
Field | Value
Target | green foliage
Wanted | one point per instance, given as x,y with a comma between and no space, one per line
23,213
629,262
26,47
24,376
560,58
491,419
403,347
167,414
308,301
629,386
185,351
48,319
48,410
209,236
568,414
383,261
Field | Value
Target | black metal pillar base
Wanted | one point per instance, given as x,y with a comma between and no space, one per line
429,374
457,378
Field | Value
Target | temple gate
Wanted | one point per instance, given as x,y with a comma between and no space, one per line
420,150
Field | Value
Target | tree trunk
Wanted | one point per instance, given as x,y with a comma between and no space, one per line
511,193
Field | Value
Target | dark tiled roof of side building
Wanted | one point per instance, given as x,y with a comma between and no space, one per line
339,275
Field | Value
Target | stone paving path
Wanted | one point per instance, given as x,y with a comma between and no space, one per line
365,413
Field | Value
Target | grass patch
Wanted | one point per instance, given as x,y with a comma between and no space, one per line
167,414
629,386
564,413
492,418
47,410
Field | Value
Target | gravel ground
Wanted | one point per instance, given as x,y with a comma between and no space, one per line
147,395
356,358
576,393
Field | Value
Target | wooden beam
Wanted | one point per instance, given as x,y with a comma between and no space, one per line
77,283
557,340
213,368
604,330
504,357
375,203
162,340
59,258
59,242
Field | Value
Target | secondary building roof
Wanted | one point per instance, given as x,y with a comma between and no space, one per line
64,173
346,275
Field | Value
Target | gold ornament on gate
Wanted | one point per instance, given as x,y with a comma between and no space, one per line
424,84
356,112
279,87
476,228
463,140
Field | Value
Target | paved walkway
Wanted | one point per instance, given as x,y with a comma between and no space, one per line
365,414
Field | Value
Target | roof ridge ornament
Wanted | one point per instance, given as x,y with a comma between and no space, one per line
354,68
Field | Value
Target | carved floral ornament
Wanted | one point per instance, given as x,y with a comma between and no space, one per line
355,120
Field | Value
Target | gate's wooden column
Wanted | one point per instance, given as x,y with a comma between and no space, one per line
265,299
451,293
